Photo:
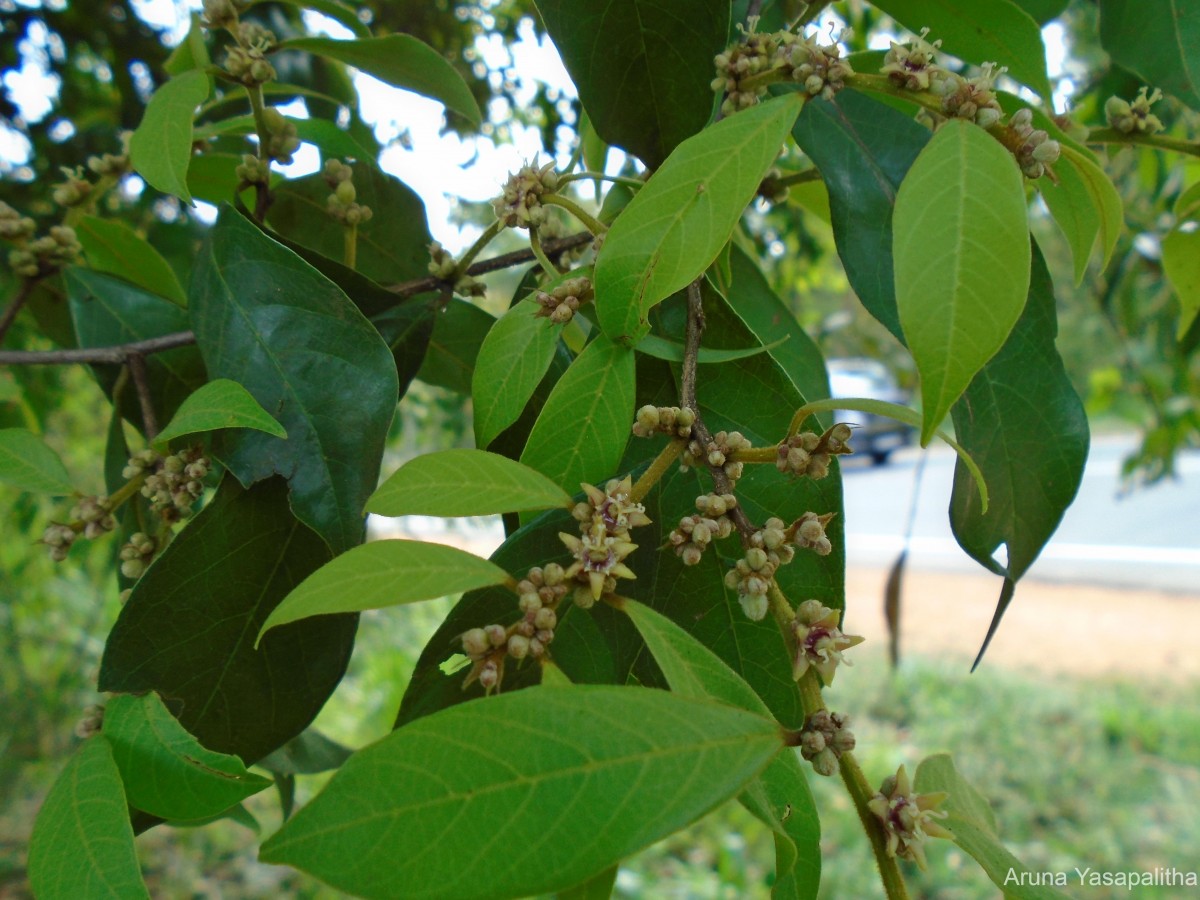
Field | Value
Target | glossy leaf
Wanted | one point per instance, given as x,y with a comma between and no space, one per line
28,464
980,31
598,772
188,629
635,63
458,334
464,483
112,246
266,319
677,224
974,827
401,61
1181,262
166,771
1086,206
382,574
219,404
392,246
1159,40
161,146
82,843
961,247
863,149
582,430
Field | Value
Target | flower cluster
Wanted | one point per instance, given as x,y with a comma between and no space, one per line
908,819
604,542
73,190
444,266
808,532
14,226
95,513
823,740
560,304
1135,117
973,99
44,255
717,453
173,483
753,55
669,420
520,204
253,170
136,554
694,533
219,14
751,575
913,66
341,202
247,61
819,68
1037,150
819,641
809,454
281,139
59,539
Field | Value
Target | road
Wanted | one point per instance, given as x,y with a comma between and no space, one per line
1149,538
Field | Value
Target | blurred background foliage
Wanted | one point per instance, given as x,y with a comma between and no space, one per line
100,60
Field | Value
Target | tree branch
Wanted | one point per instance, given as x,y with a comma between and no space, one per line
117,355
137,372
10,315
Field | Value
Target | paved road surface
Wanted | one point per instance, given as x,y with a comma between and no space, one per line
1149,538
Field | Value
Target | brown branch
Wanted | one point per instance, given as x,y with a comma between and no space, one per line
137,371
117,355
24,290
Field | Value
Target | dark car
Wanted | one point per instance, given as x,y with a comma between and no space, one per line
874,436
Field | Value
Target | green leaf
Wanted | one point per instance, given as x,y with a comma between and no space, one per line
213,178
458,335
1187,204
1086,206
108,311
863,149
188,629
337,11
392,246
161,146
582,430
166,771
512,361
961,246
974,827
677,224
588,774
1181,262
331,140
599,887
1159,40
112,246
192,51
402,61
266,319
795,827
980,31
382,574
219,404
673,351
28,464
635,63
82,843
464,483
308,753
1042,10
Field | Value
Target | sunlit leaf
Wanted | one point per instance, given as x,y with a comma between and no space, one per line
161,146
1086,206
112,246
219,404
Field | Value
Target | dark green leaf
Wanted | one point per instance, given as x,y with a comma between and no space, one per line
326,136
677,224
795,826
82,843
307,753
1042,10
339,12
864,149
961,248
980,31
673,351
584,426
219,404
166,771
392,246
112,246
458,332
188,629
28,464
213,178
599,887
161,146
382,574
267,320
402,61
642,67
598,772
1159,40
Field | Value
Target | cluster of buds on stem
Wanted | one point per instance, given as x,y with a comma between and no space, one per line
717,453
112,165
74,190
824,738
1134,117
672,421
44,255
173,483
95,514
246,60
753,55
604,522
694,533
973,99
253,170
219,14
809,453
520,204
751,575
818,67
908,819
14,226
560,304
281,139
1037,150
442,265
136,554
808,532
819,640
913,66
341,202
59,538
771,188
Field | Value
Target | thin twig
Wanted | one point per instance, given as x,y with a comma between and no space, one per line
141,383
117,354
10,315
